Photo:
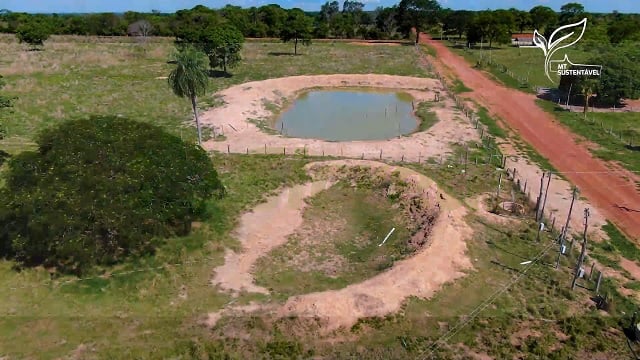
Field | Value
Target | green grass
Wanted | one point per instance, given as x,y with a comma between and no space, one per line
73,78
596,129
337,244
140,314
459,87
620,243
427,117
492,125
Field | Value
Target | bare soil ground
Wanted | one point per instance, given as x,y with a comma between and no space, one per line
248,100
558,196
442,260
267,226
611,192
479,204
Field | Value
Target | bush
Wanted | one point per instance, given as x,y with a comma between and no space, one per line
33,33
100,189
3,154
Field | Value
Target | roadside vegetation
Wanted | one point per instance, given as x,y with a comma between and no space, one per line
617,135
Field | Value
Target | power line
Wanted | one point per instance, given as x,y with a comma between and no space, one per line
472,315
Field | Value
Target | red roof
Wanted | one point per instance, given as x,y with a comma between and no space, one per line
522,36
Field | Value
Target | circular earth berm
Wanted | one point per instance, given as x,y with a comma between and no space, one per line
248,118
437,238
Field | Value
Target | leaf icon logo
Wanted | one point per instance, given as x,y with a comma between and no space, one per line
566,35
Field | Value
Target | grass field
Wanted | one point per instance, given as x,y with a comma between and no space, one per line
524,63
338,243
617,135
73,77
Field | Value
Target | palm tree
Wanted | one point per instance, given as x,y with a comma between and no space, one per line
190,78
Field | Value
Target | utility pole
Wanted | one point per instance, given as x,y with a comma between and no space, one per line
546,192
539,201
566,225
582,252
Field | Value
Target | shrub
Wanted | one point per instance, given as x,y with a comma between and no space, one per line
3,154
33,33
100,189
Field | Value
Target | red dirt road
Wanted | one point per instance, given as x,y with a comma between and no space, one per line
611,191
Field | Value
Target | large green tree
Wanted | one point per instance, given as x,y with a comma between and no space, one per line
100,189
298,27
457,22
417,15
386,20
189,79
224,44
492,26
543,18
619,79
571,13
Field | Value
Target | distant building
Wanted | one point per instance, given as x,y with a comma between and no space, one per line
139,28
523,39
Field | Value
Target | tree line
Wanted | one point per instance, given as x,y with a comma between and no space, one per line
335,20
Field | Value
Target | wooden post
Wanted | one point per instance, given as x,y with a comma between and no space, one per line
499,183
546,192
466,159
284,151
380,154
559,253
598,282
265,149
566,225
525,186
247,151
228,149
582,251
304,151
591,271
539,201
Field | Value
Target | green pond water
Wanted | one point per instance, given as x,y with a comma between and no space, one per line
343,115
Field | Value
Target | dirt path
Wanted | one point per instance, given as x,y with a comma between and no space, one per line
264,228
421,275
248,101
610,190
558,197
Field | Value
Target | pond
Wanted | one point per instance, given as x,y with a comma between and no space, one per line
346,115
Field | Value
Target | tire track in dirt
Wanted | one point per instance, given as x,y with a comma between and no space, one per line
611,192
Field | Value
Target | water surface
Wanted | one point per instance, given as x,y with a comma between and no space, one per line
343,115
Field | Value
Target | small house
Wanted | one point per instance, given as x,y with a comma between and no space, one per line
523,39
